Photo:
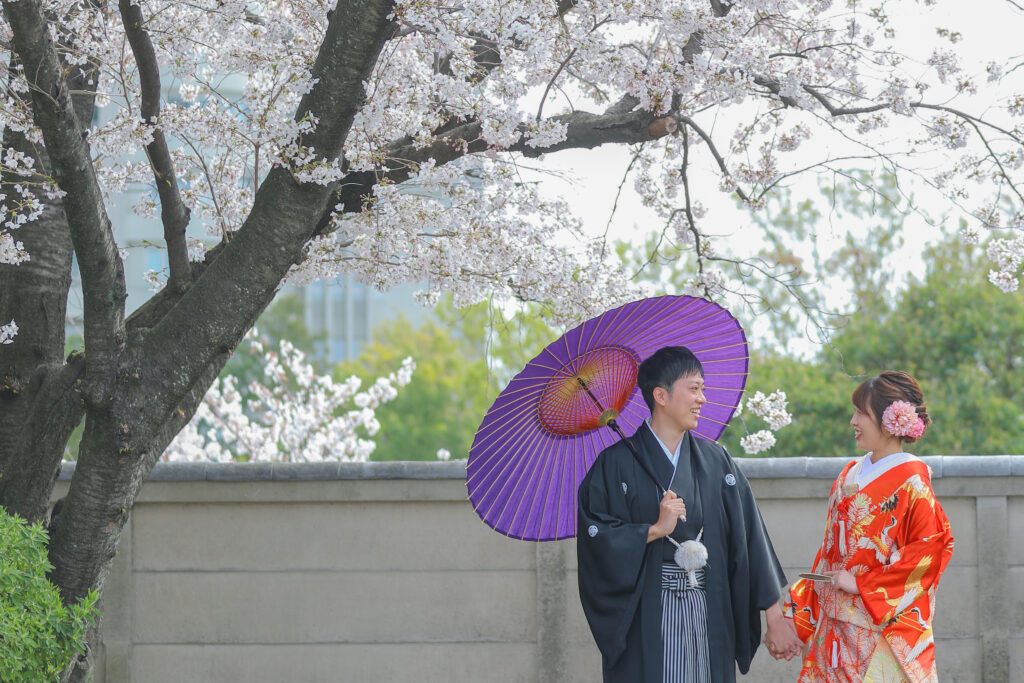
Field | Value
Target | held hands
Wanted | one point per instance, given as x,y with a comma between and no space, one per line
781,639
844,581
672,508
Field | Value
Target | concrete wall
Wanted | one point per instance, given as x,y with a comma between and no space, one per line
383,572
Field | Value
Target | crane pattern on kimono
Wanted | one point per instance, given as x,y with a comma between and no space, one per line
883,545
912,590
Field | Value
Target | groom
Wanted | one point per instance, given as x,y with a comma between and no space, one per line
653,621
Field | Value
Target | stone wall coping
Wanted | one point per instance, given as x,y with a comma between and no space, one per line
753,468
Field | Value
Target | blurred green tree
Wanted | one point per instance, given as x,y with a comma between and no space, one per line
952,330
819,399
463,359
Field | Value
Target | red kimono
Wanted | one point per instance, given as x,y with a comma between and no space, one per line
892,534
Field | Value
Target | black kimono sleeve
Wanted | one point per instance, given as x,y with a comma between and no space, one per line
611,550
757,579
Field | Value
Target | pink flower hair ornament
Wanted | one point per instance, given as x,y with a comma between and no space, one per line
901,419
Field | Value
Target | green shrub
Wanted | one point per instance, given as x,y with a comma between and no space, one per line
38,634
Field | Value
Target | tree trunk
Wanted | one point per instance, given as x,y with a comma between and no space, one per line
39,401
38,406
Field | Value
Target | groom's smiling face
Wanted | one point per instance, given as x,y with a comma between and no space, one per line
681,403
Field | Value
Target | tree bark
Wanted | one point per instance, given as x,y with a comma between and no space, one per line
39,401
71,165
38,406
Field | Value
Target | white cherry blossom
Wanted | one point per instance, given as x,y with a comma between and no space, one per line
758,442
297,415
8,332
238,70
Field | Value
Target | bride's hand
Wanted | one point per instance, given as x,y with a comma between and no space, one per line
844,581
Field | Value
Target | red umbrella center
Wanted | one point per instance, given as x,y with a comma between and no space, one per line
609,372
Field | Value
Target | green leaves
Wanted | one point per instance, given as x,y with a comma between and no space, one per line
819,399
442,404
463,359
38,634
963,340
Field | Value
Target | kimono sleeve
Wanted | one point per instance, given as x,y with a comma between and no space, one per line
766,576
803,608
802,604
756,577
889,590
610,549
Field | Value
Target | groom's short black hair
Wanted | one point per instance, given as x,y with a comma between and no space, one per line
663,368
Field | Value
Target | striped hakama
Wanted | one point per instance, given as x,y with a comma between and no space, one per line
684,631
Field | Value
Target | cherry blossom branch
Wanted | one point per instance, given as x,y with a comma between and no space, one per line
995,158
82,77
618,195
775,88
835,110
714,153
787,280
970,119
892,163
584,130
691,223
802,54
208,177
173,213
199,330
561,68
485,56
826,163
652,257
564,6
703,253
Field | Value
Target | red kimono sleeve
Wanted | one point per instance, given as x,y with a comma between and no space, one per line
802,604
889,590
802,607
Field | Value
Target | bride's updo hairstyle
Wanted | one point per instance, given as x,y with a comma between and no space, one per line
874,395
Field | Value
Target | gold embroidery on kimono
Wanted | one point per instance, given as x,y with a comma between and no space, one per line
893,536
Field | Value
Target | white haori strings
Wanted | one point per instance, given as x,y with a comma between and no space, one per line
691,556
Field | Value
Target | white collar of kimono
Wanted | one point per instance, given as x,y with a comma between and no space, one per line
865,471
672,457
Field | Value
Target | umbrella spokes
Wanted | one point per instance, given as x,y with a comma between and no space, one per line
608,371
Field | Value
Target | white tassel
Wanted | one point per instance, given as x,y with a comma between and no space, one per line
691,556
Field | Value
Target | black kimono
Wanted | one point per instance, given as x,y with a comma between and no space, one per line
620,573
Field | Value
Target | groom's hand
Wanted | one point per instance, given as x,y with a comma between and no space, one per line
672,508
781,638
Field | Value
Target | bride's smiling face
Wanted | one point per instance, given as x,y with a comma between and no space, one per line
867,432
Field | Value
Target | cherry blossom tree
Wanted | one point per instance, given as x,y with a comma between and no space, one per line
382,139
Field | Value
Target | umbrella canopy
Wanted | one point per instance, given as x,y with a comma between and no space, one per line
544,431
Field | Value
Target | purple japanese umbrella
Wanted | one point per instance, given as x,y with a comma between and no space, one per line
545,429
